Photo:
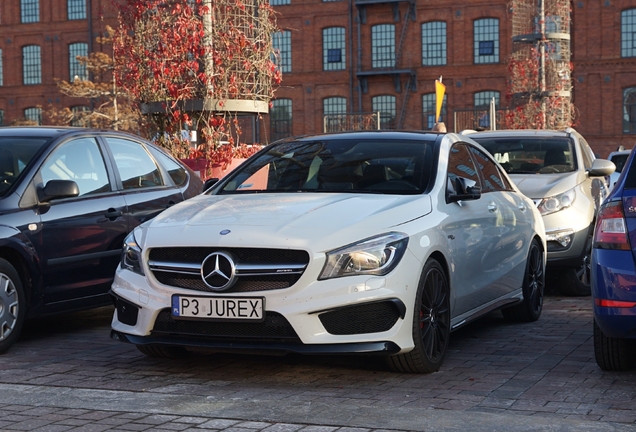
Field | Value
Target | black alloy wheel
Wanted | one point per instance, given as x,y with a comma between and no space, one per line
431,324
533,288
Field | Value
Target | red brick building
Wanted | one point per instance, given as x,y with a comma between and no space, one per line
360,56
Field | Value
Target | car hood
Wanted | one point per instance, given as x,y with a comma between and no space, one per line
538,186
286,219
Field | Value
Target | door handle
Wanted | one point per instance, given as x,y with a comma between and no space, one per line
112,214
492,207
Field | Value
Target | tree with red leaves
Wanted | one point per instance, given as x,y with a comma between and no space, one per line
197,64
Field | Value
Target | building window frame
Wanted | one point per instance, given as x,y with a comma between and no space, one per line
434,43
280,118
386,106
486,40
629,110
628,33
1,70
281,42
76,9
481,100
333,49
383,46
34,114
29,11
31,65
279,2
429,107
75,67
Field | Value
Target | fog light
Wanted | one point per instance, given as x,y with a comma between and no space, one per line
563,237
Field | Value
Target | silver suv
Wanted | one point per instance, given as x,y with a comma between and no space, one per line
559,172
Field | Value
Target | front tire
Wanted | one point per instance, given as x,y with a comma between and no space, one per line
613,354
530,308
12,305
431,324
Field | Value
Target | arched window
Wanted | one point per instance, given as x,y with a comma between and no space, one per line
31,65
434,43
383,46
629,110
282,47
75,67
33,114
333,48
482,107
334,110
280,118
429,107
486,40
385,105
628,33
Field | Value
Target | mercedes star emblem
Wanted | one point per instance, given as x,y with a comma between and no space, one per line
218,271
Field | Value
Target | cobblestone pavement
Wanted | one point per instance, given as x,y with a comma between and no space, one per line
65,374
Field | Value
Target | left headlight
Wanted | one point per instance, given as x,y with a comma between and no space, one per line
131,255
373,256
556,203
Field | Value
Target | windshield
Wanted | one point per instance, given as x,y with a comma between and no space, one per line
350,165
16,153
619,160
519,155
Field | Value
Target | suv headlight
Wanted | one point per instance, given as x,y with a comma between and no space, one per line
556,203
373,256
131,255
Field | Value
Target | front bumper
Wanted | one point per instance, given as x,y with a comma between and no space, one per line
359,314
614,278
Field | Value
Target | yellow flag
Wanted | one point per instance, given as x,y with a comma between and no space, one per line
439,97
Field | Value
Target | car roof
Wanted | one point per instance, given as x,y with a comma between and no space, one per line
518,133
367,134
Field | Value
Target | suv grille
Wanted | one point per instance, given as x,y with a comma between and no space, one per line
256,269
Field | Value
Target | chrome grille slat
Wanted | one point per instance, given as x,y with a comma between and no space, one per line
256,269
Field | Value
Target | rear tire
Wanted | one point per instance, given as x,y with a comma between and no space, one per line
162,351
12,305
530,308
575,281
613,354
431,324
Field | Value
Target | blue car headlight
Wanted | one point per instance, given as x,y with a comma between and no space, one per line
373,256
131,257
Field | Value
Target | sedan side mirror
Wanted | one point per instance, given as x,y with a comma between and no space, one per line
209,183
601,168
55,189
462,192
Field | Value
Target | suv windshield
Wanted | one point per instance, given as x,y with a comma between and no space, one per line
348,165
16,153
519,155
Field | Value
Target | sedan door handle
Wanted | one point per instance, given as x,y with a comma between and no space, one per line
492,207
112,214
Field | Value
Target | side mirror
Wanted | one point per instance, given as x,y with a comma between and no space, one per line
56,189
601,168
463,192
209,183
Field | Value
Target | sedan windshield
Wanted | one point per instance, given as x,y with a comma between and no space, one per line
347,165
16,153
519,155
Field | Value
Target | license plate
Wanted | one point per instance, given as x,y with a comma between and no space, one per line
218,308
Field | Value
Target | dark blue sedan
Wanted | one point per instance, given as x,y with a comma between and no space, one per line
614,275
68,198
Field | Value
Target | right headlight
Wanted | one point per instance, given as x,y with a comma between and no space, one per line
131,255
373,256
556,203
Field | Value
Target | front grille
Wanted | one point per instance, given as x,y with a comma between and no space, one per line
361,319
256,269
274,328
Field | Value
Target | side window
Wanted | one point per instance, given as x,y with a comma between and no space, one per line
79,160
461,165
493,180
177,173
136,168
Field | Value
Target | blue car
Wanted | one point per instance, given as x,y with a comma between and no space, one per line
614,275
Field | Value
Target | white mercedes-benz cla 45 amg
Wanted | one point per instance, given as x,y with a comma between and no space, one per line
374,243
